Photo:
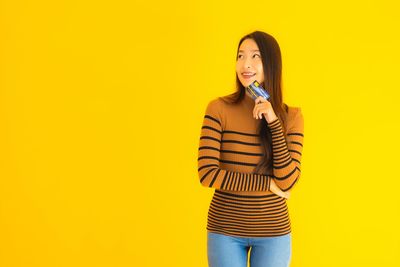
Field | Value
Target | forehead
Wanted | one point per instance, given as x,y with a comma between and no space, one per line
248,45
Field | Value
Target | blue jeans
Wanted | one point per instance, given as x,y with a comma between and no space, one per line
231,251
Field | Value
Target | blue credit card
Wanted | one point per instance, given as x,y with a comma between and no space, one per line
256,90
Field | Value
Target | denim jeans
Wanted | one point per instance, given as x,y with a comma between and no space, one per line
231,251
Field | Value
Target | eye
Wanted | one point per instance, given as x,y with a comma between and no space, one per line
239,56
256,55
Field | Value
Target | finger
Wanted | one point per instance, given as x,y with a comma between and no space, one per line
261,111
258,113
260,99
255,111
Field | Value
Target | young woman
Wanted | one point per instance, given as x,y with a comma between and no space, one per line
250,153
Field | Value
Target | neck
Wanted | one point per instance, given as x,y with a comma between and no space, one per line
248,101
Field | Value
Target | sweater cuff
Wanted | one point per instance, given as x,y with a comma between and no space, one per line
275,124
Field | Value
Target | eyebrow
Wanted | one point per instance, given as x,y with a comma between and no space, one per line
250,50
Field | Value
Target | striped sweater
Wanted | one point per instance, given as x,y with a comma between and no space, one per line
229,151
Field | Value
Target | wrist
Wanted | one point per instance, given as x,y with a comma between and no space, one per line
270,119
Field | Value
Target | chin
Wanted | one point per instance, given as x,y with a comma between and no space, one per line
246,83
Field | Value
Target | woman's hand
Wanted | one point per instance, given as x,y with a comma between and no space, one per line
275,189
263,106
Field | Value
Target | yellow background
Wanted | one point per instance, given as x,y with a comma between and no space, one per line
101,105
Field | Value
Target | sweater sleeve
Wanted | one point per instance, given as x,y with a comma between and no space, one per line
209,171
287,152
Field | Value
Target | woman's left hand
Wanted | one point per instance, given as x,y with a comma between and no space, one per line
263,106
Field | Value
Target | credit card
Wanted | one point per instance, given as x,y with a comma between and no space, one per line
256,90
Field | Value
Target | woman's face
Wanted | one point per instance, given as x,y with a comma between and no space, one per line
249,65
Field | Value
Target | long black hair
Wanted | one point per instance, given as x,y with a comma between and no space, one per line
272,66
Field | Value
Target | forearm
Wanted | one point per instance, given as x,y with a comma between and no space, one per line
209,171
286,157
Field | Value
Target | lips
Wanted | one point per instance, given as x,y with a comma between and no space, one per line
248,75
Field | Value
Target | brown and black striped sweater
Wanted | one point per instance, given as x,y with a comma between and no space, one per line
229,151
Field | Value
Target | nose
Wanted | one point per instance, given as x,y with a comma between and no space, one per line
247,64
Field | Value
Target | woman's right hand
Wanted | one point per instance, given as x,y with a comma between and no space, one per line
275,189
